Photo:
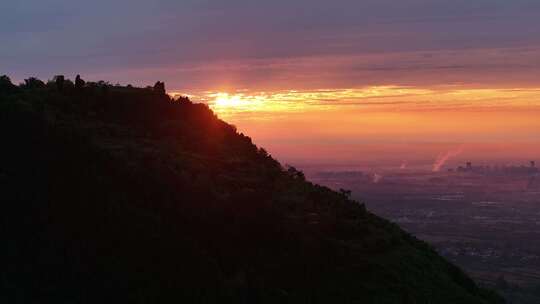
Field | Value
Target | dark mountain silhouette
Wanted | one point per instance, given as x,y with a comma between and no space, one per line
123,195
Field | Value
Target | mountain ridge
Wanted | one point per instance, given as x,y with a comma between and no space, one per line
122,194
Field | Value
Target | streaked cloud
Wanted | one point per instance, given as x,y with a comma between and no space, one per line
307,44
245,104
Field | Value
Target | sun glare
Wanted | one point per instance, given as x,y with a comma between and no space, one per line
226,100
226,103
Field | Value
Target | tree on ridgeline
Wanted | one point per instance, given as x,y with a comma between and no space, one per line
33,83
159,88
346,193
59,80
6,86
182,99
296,174
79,83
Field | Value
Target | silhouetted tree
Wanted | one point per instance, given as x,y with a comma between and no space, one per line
182,99
5,81
346,193
59,79
79,83
159,88
293,172
262,151
68,85
6,86
33,83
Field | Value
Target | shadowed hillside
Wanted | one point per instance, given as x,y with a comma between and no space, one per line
124,195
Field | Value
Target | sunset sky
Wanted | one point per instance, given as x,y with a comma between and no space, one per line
310,79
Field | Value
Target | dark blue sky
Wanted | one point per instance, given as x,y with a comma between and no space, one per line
199,45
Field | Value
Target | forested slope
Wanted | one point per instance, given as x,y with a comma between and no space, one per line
121,194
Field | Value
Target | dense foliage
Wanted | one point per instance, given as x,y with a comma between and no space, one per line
122,194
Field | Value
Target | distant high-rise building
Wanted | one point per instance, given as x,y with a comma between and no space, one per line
469,166
533,164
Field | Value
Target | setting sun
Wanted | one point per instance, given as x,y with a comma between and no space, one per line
226,100
226,103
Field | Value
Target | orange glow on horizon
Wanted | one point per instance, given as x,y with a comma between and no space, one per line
379,98
328,120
